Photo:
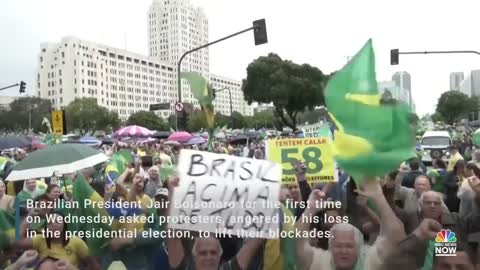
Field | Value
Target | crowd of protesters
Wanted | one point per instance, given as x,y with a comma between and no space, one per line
390,220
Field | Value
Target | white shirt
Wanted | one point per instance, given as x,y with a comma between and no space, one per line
322,259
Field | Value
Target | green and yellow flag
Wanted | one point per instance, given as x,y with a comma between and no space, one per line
82,191
370,139
7,228
203,92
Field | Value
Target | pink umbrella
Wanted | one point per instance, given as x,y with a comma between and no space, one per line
180,136
133,131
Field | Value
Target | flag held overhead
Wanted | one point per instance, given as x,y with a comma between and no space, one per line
371,139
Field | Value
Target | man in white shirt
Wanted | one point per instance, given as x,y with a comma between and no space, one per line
346,247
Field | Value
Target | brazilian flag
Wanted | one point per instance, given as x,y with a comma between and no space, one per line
117,165
203,92
82,191
7,228
371,139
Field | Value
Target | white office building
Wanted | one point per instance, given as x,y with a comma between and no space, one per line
127,82
456,79
121,81
224,87
174,27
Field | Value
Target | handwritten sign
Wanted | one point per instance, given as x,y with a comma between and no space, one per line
226,195
315,152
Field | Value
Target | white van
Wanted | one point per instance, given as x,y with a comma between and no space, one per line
435,145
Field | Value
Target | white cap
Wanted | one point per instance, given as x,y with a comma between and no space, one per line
162,191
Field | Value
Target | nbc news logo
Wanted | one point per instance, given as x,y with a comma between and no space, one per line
445,243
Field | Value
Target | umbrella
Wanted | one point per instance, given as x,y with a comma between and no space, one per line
133,131
196,140
61,158
172,143
10,141
161,135
180,136
148,140
240,139
89,140
476,137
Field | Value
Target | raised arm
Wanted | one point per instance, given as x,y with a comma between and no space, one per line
391,228
248,251
176,253
304,250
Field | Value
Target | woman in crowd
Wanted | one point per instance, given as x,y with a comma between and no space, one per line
31,190
6,201
452,182
52,249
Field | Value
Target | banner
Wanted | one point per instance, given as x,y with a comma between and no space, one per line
238,195
316,130
315,152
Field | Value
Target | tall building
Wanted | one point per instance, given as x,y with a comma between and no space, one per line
174,27
122,81
222,99
470,86
402,80
398,93
456,79
127,82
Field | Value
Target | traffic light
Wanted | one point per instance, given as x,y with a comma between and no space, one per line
260,32
394,57
22,87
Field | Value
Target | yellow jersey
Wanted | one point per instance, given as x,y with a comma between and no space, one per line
75,250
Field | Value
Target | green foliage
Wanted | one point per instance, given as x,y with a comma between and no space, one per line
437,117
86,116
196,121
148,120
16,118
290,87
237,121
453,105
172,121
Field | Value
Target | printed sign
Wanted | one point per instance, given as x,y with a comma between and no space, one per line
315,152
57,122
238,195
317,130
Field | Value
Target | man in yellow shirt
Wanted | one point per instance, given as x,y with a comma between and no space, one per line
454,157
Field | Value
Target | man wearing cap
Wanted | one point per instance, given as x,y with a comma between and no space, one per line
454,157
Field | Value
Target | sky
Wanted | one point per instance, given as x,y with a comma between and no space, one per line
318,32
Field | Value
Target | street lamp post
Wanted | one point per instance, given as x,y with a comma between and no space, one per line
260,35
231,104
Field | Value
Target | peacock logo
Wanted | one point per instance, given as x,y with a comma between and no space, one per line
445,236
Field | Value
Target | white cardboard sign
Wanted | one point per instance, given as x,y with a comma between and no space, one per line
226,195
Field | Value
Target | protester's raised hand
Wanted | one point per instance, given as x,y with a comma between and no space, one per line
27,258
428,229
300,170
370,188
173,182
315,196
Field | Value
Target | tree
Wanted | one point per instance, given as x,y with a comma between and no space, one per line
148,120
290,87
196,121
172,121
453,105
237,121
86,116
437,117
25,110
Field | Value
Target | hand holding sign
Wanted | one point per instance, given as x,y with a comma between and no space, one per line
240,195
